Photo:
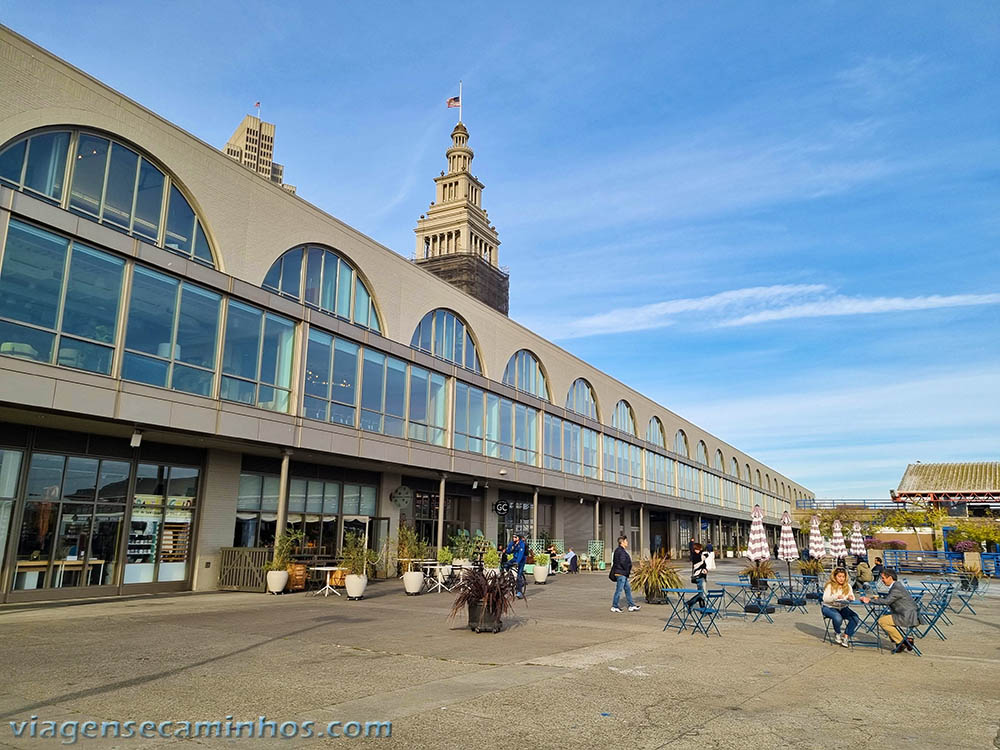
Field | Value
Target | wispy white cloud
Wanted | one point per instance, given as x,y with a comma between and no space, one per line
840,305
753,305
878,78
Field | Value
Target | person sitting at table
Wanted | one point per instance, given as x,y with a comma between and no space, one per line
863,575
553,554
572,561
836,596
903,612
877,568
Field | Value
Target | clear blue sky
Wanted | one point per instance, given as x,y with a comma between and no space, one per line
778,219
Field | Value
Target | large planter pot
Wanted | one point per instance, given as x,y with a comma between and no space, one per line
541,572
276,581
356,586
482,621
413,582
460,562
655,597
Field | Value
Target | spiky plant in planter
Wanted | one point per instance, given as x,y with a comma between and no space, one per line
653,574
758,570
487,598
812,567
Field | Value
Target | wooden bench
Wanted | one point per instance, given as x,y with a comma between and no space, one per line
923,566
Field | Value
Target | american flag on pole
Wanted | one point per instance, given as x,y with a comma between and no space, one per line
256,104
455,101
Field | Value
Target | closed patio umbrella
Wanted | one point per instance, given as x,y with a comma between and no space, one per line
857,540
837,548
816,547
757,547
787,550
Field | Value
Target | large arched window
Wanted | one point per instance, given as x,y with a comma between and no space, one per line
323,279
681,444
654,432
445,335
702,455
734,468
623,419
720,462
109,182
756,477
525,373
581,400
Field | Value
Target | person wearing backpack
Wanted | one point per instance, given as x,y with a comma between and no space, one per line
621,569
699,575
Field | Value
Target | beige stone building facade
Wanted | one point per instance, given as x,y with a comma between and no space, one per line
190,357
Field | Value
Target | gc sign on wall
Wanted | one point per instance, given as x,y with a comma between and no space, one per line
501,507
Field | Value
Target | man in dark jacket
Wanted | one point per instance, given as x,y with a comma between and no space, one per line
516,554
903,611
621,568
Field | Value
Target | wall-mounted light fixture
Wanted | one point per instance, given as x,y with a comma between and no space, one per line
503,472
475,484
136,440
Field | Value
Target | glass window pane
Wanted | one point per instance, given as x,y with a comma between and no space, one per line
297,495
372,381
83,355
45,477
238,390
108,527
35,544
47,164
273,278
275,399
471,360
367,504
26,343
144,369
331,497
373,323
395,387
352,499
197,326
345,372
80,480
150,484
345,282
249,492
314,496
418,396
121,186
202,250
291,272
177,525
314,271
328,296
361,304
72,545
239,356
318,356
151,313
180,223
316,408
112,482
276,354
10,471
32,275
12,161
93,288
148,201
190,380
88,173
269,493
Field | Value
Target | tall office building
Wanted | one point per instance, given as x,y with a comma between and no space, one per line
455,240
252,145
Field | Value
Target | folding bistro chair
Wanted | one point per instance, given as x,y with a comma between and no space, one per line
759,602
703,617
931,614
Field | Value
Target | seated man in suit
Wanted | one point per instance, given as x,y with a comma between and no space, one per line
903,611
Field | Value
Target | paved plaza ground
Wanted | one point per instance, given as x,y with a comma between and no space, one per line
565,673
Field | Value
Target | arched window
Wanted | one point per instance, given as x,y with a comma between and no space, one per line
654,432
681,444
757,477
747,476
702,453
111,183
323,279
734,468
720,462
767,482
623,419
445,335
581,399
525,373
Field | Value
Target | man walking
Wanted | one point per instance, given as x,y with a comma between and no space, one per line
903,612
621,568
516,554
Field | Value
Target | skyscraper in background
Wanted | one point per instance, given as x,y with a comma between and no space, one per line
252,145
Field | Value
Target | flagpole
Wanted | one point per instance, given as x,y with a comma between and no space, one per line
459,101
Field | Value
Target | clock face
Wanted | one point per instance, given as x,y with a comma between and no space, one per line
501,507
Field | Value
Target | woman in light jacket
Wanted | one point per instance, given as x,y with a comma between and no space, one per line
699,574
836,596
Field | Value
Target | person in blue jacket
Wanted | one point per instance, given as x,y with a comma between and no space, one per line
516,554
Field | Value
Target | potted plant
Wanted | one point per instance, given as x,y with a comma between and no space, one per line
491,561
357,558
277,568
462,548
653,574
488,598
410,547
541,570
759,571
970,576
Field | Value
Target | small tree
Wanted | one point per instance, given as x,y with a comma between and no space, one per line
915,515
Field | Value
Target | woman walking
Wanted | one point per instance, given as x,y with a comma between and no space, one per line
836,596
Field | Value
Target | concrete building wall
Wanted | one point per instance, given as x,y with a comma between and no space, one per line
217,516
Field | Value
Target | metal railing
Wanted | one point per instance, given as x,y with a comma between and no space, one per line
903,559
827,504
242,568
991,563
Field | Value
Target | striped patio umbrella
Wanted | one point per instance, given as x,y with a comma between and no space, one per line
757,546
857,541
837,548
787,550
816,546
